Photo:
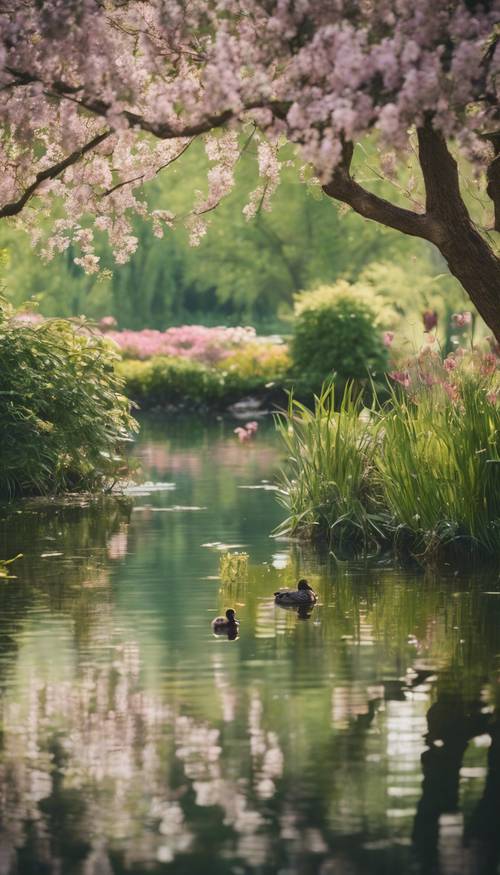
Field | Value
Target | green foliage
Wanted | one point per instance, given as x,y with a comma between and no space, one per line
63,419
4,570
233,567
243,271
439,468
329,486
336,336
166,382
183,383
421,470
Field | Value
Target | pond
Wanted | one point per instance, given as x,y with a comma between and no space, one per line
362,739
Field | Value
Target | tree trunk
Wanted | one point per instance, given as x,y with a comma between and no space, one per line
446,222
474,264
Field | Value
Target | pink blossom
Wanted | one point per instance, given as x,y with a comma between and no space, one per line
460,320
488,364
402,377
196,342
494,345
450,363
493,396
107,323
452,391
388,338
252,426
243,434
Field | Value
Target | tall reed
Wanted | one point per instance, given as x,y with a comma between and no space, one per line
421,469
328,487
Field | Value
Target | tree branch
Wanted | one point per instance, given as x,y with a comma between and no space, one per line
344,188
15,207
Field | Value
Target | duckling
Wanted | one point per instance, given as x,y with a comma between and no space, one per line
226,625
303,595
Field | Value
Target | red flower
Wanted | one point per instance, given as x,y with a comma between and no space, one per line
430,318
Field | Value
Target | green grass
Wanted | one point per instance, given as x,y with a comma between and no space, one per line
329,487
422,470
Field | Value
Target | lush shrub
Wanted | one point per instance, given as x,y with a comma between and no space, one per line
258,363
63,417
165,382
180,382
336,336
421,469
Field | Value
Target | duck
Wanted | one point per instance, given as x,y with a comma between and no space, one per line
303,595
227,625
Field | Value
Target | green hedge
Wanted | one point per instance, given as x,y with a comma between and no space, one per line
181,383
63,417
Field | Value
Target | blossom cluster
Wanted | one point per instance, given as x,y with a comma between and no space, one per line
196,342
445,376
97,99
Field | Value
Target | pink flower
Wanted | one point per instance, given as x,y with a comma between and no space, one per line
492,396
430,319
107,323
252,426
494,345
243,434
460,320
402,377
450,363
388,338
451,390
488,364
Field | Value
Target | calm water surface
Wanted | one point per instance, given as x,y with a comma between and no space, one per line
363,739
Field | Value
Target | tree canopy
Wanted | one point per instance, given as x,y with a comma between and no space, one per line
98,97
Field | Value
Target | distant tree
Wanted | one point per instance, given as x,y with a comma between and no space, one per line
99,97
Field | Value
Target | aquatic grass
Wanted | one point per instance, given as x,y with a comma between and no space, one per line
421,470
328,488
233,567
5,570
438,465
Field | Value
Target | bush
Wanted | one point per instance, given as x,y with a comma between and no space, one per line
179,382
63,418
336,337
165,382
257,363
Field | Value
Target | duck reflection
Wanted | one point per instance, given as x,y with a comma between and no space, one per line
304,612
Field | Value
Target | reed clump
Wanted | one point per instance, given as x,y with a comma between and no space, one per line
421,469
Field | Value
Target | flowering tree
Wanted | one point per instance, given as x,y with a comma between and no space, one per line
99,96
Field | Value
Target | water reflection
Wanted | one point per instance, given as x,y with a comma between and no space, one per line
365,740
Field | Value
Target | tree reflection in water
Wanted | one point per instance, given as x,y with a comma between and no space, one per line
133,741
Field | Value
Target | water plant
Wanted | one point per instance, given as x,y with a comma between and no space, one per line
233,567
421,469
329,487
5,570
438,457
64,421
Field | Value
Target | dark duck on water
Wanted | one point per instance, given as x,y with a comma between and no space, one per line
226,625
303,595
